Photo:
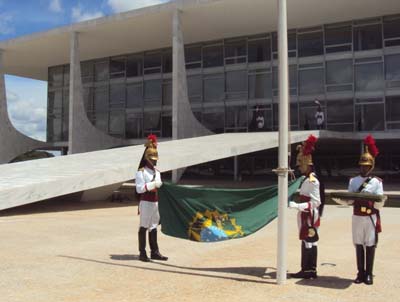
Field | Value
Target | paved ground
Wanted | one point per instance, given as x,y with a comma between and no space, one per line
89,253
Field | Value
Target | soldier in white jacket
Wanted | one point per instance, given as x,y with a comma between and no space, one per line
308,217
366,222
148,180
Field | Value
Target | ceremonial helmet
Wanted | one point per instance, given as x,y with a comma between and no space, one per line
151,152
370,152
305,150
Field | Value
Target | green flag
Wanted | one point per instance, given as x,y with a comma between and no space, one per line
214,214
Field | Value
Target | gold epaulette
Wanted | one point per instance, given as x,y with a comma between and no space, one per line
312,177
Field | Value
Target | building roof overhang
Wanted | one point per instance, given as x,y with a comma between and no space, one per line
151,28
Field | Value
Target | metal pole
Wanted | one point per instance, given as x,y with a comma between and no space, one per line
282,170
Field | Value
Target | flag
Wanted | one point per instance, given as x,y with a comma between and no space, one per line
214,214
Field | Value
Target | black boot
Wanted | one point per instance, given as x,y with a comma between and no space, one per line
155,253
304,273
142,245
313,262
360,264
370,256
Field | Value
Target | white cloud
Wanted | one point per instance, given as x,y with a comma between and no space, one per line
27,106
5,24
78,15
118,6
55,6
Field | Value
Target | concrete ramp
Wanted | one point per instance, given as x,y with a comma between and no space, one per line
27,182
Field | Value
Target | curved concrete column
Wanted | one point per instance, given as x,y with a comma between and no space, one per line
83,136
184,123
12,142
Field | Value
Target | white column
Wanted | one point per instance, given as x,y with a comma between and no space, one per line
282,170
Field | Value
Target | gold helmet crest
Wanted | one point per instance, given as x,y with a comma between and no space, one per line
305,150
151,152
370,152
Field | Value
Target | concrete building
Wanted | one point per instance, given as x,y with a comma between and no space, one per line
190,68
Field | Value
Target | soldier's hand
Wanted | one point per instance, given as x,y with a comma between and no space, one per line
158,183
293,205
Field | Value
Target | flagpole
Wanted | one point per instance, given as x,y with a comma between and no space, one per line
282,169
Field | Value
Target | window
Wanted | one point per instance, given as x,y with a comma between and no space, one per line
214,88
101,121
117,123
117,67
134,95
391,31
307,112
134,66
236,84
152,90
167,61
213,119
87,71
368,37
101,99
340,115
195,88
166,130
101,71
152,63
259,50
213,56
260,86
151,122
392,70
338,38
292,44
339,75
236,118
393,112
369,77
117,95
167,92
311,80
134,125
193,57
235,51
370,116
88,98
56,76
310,44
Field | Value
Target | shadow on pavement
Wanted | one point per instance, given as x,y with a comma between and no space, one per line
327,282
157,269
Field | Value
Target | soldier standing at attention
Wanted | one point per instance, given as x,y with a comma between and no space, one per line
308,217
366,222
148,180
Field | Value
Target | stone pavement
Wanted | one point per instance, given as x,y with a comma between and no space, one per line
88,252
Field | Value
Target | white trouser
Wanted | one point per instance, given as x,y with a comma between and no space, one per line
149,215
364,230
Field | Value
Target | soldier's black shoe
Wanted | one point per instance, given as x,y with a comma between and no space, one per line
158,256
368,279
143,257
304,275
360,278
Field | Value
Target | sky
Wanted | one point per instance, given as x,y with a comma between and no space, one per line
27,98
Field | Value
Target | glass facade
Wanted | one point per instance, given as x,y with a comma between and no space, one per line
352,68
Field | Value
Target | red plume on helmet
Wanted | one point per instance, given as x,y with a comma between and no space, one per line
151,140
308,145
370,142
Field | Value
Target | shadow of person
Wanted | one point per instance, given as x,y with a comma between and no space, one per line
242,270
327,282
150,267
124,257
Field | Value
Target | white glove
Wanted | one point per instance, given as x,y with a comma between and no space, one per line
151,186
158,183
293,205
